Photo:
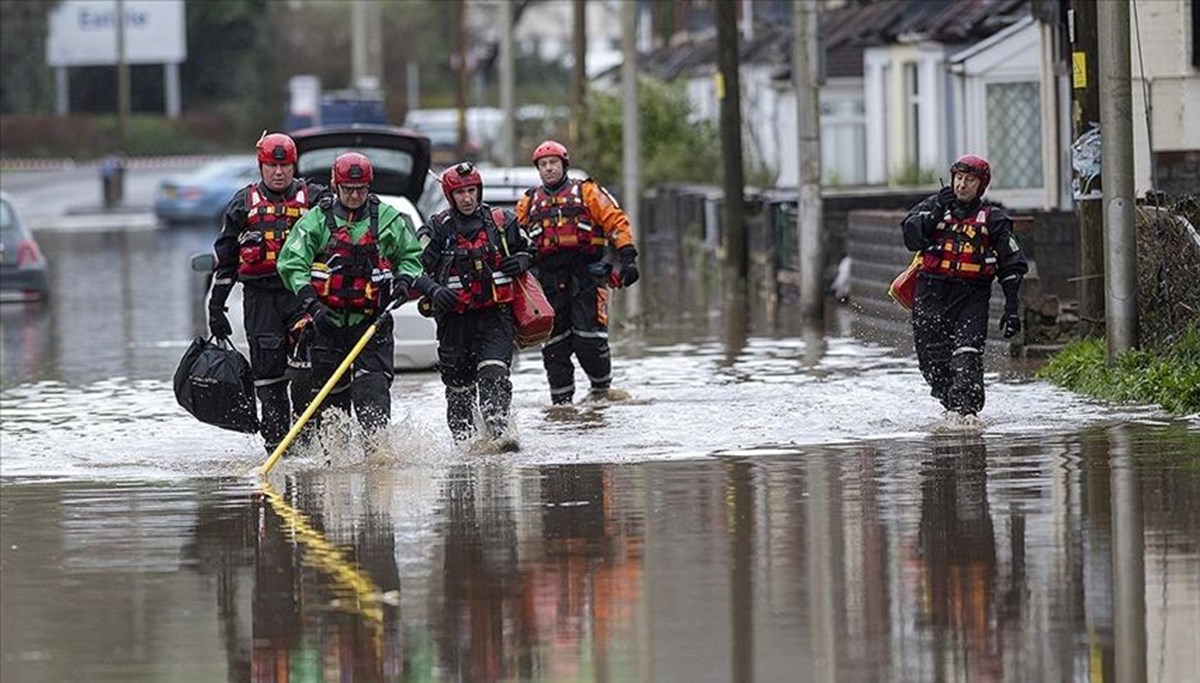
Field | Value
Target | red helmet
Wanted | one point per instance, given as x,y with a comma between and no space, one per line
352,168
973,166
462,174
276,148
550,148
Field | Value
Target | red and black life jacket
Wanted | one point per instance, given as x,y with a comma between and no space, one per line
962,248
560,221
351,276
267,226
471,265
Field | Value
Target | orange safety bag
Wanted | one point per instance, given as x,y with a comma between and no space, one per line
903,289
532,314
533,317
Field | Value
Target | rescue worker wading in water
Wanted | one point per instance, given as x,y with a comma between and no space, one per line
473,255
965,243
345,261
255,225
570,222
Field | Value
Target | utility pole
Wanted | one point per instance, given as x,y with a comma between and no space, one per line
508,85
631,131
578,70
366,51
806,63
1128,560
737,258
1086,183
460,90
123,106
1120,228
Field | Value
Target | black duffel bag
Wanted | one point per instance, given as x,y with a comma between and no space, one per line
213,382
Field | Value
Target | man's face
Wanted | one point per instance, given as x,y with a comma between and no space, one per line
353,196
550,169
466,199
966,187
277,177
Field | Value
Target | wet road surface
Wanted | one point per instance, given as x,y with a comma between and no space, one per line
764,507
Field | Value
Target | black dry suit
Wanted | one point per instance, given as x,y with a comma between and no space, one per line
963,248
475,336
254,226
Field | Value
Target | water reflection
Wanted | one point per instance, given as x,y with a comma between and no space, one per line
124,304
950,558
961,603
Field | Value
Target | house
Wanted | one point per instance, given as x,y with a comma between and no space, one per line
910,85
875,123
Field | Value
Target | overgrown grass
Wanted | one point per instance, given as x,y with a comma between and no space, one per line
1169,377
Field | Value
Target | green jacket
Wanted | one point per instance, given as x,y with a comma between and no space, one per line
309,237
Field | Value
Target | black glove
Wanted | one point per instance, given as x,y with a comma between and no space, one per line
400,286
629,270
218,322
516,264
945,198
322,317
1010,322
444,299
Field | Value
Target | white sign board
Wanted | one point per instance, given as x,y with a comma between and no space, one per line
84,33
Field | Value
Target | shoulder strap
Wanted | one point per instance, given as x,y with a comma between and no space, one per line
330,220
498,219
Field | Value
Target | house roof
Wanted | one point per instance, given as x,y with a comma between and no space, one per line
846,32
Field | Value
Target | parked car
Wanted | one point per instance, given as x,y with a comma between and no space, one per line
22,265
400,160
441,126
202,195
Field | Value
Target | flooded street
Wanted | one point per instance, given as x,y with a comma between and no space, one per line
765,507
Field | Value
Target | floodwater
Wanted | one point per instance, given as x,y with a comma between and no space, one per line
765,507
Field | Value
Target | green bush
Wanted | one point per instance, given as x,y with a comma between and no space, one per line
1170,378
674,147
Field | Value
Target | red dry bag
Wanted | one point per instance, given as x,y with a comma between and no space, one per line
904,288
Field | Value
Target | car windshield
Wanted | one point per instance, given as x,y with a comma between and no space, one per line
388,161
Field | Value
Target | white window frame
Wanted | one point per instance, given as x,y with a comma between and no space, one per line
978,141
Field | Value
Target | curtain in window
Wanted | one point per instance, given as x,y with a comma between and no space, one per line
1014,133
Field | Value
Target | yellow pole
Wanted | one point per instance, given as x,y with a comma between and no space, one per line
328,558
316,402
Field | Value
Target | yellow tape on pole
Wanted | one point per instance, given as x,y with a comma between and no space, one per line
316,402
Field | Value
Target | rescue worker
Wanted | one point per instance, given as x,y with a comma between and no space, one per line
472,258
345,261
570,222
256,223
965,243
